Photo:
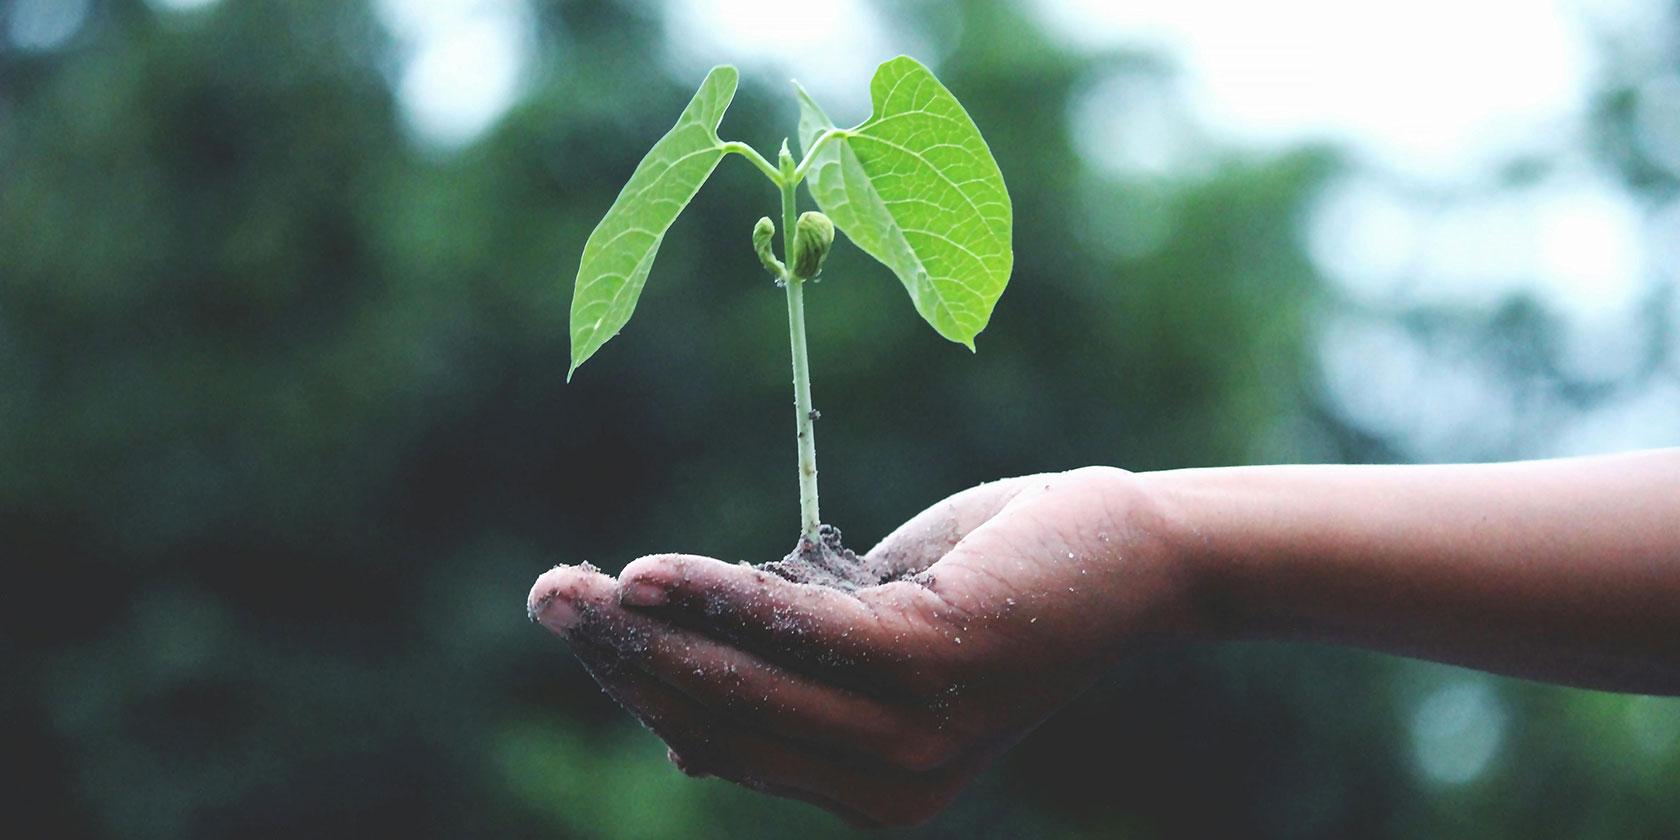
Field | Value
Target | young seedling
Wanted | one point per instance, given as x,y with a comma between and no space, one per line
914,186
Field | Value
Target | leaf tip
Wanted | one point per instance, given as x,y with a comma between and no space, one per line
804,96
727,75
901,59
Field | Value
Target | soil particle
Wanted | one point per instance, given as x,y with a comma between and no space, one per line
826,562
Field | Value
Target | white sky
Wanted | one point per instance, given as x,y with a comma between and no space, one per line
464,61
1431,87
1434,88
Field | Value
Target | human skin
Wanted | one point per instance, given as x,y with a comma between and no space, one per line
881,704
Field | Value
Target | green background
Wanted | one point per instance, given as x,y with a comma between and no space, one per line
284,440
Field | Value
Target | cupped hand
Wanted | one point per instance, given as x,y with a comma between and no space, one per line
880,704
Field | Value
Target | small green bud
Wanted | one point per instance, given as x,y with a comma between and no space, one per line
784,157
764,233
813,236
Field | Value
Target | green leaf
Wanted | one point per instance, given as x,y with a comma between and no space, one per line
619,252
916,187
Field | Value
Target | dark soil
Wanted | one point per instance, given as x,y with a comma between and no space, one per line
828,563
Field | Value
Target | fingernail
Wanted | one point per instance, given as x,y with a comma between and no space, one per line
639,593
555,613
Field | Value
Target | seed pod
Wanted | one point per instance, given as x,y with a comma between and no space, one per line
813,236
763,234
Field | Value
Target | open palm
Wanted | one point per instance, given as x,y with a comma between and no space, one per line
1006,600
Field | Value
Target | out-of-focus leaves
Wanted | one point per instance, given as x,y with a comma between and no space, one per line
283,441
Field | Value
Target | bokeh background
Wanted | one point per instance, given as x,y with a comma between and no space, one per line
284,436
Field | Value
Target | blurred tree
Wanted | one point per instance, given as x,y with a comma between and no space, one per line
284,438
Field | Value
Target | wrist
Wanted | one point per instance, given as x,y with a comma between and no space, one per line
1154,586
1187,505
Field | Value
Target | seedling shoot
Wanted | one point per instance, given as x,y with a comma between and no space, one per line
914,186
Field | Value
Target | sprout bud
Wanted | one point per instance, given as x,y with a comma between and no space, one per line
813,236
764,233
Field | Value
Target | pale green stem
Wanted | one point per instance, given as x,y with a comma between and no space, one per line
806,417
736,147
811,153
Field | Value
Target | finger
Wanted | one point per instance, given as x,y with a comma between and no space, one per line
839,636
736,685
729,682
862,794
1023,579
557,599
926,537
809,628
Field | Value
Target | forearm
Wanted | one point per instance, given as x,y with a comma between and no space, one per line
1566,571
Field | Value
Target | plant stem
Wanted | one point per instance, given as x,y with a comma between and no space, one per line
809,518
816,146
736,147
810,155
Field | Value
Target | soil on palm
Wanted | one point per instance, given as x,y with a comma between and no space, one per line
826,562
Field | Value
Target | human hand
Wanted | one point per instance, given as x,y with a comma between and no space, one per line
1005,602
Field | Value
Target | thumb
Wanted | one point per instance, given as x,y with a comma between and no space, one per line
929,535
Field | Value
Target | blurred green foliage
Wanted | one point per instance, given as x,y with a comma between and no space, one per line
284,440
